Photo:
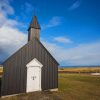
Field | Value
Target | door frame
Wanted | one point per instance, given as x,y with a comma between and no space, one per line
34,63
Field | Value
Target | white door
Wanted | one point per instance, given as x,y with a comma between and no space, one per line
33,76
33,81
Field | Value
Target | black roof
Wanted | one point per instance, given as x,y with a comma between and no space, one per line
34,23
26,45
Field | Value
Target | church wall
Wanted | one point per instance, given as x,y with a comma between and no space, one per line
14,77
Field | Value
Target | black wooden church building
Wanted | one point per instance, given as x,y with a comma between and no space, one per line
31,68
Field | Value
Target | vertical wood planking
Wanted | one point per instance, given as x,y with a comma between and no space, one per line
14,77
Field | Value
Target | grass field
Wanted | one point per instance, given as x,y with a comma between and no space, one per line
79,87
71,87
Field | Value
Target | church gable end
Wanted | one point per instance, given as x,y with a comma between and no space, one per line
15,70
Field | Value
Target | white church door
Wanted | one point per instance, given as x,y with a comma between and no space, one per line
34,76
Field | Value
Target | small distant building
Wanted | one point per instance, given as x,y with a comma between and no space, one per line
31,68
95,74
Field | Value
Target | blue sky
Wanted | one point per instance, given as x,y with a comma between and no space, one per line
70,28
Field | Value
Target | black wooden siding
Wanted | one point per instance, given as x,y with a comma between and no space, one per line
15,71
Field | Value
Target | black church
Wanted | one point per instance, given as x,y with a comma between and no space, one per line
31,68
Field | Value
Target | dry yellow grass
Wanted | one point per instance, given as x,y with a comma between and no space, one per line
80,69
1,71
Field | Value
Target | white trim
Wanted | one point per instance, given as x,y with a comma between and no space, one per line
55,89
12,95
38,64
33,66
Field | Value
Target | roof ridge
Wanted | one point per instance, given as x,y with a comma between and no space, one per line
25,46
47,50
18,51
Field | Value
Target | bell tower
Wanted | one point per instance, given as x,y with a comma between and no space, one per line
34,29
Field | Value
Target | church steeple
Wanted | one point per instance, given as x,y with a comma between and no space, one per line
34,29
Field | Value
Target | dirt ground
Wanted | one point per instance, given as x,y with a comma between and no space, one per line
35,96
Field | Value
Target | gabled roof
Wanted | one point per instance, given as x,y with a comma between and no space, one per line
46,50
34,23
31,44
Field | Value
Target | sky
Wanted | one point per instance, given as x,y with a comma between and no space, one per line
70,29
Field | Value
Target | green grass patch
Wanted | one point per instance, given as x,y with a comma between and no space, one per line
79,87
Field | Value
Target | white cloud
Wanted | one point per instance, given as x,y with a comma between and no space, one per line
4,21
62,39
83,54
55,21
5,7
11,38
74,5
